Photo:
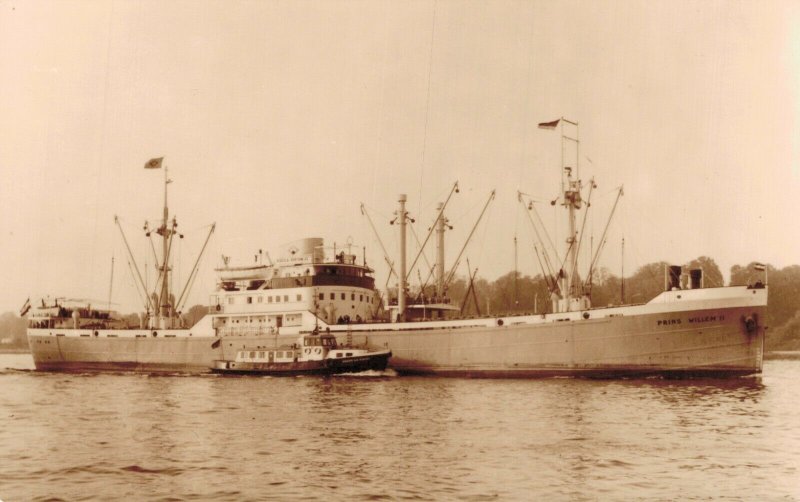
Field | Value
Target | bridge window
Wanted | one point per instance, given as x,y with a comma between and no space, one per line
286,298
299,298
249,299
260,299
230,300
322,296
342,296
333,296
352,296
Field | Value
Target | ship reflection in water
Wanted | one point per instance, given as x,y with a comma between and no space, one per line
204,437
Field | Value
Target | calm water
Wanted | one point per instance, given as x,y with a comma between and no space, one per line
139,437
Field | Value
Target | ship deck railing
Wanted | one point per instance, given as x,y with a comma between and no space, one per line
247,331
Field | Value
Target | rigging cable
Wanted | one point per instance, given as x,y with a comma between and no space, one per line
103,130
427,110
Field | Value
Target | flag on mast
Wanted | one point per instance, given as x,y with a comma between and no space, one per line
549,125
154,163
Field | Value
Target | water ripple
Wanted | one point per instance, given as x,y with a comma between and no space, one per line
127,436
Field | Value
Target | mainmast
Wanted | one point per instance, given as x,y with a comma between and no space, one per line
441,224
401,288
443,278
570,295
572,200
166,232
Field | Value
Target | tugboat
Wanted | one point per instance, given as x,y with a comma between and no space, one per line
313,354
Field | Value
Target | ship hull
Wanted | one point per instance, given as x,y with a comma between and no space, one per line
702,338
635,346
151,355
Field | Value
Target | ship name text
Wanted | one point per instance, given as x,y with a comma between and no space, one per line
691,320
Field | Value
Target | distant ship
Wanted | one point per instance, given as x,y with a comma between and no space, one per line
686,330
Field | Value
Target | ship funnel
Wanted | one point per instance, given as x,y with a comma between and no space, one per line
696,278
674,278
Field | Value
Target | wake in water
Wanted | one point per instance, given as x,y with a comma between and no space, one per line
387,373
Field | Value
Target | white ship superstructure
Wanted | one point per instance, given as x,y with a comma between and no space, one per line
308,284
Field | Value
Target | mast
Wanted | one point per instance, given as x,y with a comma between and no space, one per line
110,283
401,288
165,233
516,273
622,273
441,222
433,227
572,201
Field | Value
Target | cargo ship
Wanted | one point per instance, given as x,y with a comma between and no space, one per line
686,330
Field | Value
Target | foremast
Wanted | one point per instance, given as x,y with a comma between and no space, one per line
165,298
162,311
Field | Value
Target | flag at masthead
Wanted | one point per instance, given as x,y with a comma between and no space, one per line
549,125
154,163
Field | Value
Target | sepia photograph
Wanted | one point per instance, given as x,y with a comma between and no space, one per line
399,250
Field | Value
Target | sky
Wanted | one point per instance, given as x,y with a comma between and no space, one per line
277,119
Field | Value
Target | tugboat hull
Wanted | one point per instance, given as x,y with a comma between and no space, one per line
376,361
